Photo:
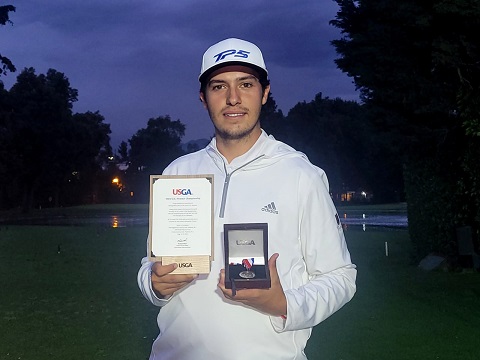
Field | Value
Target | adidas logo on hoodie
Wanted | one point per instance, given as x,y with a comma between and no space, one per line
270,208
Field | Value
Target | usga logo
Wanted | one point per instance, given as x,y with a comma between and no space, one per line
185,265
181,192
245,242
235,53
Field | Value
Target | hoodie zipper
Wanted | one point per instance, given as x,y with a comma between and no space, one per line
227,182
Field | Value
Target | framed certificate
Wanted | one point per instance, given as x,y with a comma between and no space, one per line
181,222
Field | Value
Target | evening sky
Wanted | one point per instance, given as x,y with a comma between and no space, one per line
132,60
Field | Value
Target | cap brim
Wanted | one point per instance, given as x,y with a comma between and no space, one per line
261,72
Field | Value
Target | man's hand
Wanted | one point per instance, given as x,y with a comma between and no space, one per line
270,301
165,284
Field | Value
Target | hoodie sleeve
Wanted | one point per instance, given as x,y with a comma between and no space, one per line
330,272
144,280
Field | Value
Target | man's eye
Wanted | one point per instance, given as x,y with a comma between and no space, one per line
217,87
247,85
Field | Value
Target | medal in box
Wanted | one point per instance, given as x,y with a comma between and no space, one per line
246,256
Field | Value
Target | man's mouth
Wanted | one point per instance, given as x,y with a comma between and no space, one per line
234,114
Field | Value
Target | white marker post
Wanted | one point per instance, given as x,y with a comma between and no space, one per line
386,248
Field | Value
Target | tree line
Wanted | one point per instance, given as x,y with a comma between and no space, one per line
50,156
335,134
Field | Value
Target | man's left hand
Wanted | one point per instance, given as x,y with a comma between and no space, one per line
270,301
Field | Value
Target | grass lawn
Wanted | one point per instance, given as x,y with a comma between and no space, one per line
84,302
400,311
80,304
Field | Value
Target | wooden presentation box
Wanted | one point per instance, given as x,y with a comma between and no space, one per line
181,222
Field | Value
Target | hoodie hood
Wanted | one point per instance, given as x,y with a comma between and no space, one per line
265,152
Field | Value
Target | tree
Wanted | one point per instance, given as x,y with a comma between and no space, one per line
6,64
38,126
339,136
88,160
152,149
417,59
272,120
6,155
123,151
49,156
416,66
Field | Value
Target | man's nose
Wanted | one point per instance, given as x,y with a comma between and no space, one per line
233,97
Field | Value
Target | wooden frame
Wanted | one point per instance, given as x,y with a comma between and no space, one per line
181,222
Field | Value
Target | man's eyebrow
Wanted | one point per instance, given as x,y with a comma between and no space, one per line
243,78
212,82
248,77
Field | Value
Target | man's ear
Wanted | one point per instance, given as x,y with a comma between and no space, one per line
265,94
202,99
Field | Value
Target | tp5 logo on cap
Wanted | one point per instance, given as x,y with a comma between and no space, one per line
235,53
232,51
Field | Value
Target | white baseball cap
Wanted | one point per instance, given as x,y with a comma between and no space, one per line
232,52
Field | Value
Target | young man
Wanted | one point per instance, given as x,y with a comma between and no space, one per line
257,180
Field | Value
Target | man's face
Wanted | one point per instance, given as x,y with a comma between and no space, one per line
234,98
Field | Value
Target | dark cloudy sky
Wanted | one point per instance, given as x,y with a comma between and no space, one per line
136,59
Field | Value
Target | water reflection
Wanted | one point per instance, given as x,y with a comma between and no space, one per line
121,221
113,221
127,220
377,220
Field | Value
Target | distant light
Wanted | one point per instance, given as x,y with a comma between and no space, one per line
110,158
115,180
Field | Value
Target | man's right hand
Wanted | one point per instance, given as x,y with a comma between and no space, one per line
164,284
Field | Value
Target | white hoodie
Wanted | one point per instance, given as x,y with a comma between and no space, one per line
314,264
